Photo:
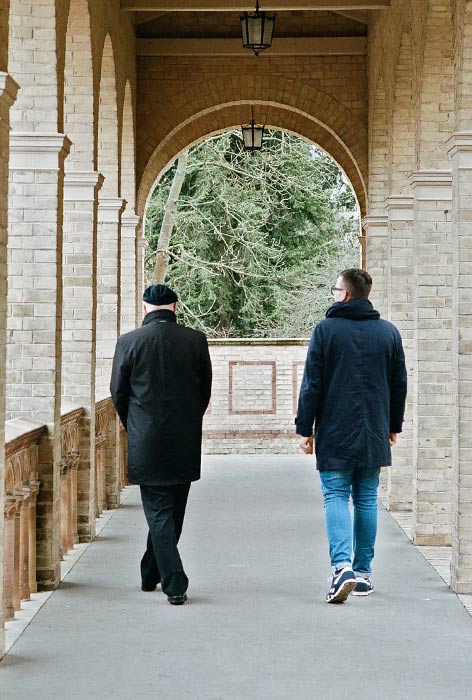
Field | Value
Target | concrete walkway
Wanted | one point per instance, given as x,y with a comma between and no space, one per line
256,627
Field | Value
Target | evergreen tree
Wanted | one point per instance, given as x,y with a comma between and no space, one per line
258,238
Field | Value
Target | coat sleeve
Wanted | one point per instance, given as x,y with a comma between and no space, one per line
205,375
312,385
398,387
120,381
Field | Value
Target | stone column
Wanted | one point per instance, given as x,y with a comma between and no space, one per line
109,297
8,91
80,328
10,554
400,214
34,485
129,291
377,264
432,395
460,151
24,545
141,244
377,259
35,316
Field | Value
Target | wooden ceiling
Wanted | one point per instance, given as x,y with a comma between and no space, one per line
212,27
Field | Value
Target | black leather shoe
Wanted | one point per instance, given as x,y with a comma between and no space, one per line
148,590
177,599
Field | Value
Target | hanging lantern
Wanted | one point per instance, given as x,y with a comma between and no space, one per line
257,30
252,136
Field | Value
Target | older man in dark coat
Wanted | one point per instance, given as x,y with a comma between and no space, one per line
161,386
354,391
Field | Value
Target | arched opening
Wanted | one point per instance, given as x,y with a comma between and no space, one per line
403,121
78,88
284,104
108,123
252,242
128,152
379,150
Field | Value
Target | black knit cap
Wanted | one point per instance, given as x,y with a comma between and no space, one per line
159,295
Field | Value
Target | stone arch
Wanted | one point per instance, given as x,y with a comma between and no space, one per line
78,88
403,150
338,133
379,150
436,113
128,151
108,156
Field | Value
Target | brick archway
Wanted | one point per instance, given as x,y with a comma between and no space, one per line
286,105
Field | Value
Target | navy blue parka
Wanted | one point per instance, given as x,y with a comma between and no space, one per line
354,387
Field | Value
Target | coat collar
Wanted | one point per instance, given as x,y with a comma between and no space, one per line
354,309
161,315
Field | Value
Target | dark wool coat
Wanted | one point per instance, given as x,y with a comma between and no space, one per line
161,386
353,388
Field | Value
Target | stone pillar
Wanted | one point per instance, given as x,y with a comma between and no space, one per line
432,395
80,328
141,244
8,91
108,301
460,151
35,316
377,264
24,545
377,259
129,291
10,555
400,214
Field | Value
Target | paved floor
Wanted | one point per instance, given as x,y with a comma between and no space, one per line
256,627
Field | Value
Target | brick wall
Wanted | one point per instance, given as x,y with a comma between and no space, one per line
254,400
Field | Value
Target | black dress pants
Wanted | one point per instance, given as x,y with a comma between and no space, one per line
164,508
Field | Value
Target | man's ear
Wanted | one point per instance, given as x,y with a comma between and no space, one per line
174,306
144,308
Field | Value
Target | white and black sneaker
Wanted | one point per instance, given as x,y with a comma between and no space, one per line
363,586
343,582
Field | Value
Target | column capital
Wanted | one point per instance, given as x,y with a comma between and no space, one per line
141,243
110,209
432,184
400,207
375,225
37,150
82,185
129,225
460,144
8,89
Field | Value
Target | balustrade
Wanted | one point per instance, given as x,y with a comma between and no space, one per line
22,448
21,490
70,463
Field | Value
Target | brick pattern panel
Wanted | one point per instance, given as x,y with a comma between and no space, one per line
252,388
252,406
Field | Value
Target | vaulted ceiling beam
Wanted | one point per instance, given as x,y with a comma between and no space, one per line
248,6
306,46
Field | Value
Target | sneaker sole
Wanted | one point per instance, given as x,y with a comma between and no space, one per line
345,589
362,594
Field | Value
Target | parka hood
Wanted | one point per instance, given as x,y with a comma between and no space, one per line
354,309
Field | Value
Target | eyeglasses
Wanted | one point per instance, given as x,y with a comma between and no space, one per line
337,289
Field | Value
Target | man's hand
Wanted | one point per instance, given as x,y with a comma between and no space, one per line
393,439
307,445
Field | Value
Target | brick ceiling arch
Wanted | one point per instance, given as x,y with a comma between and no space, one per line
222,104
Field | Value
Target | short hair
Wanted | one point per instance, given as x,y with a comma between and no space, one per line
358,282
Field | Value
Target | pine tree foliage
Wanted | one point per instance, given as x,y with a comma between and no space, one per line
258,238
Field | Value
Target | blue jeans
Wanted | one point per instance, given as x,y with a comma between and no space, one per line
337,487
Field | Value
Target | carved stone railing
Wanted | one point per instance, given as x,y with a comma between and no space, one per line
21,490
104,412
70,464
23,443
